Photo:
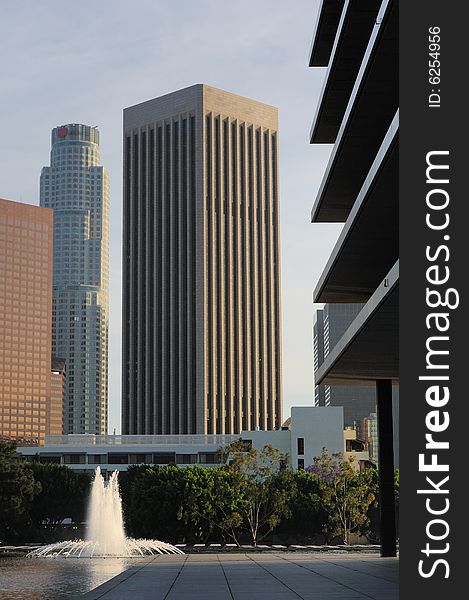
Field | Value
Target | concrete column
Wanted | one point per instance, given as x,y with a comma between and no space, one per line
386,468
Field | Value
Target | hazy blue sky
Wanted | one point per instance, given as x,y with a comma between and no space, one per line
68,61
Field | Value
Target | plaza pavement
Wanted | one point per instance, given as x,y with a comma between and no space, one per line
250,576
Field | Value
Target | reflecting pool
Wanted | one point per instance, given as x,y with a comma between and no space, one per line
56,579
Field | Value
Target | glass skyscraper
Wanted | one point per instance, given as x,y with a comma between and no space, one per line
76,187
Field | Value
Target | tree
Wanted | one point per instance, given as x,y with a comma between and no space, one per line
371,528
192,502
308,518
64,494
153,502
212,501
345,494
17,489
268,488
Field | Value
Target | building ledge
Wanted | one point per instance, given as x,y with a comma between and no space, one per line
371,108
369,349
368,245
324,32
353,33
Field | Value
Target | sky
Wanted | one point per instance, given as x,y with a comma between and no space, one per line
65,61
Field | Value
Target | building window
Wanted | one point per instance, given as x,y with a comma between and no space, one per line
300,446
164,458
209,458
118,459
301,464
74,459
97,459
140,459
186,459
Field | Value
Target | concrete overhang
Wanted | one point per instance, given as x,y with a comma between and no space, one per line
369,349
353,33
324,32
368,245
371,108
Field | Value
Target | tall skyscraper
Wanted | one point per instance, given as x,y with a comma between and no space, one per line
76,187
201,280
25,321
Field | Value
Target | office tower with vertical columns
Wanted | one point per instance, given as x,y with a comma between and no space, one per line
201,265
76,187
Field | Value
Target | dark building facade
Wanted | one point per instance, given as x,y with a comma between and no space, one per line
330,324
55,406
201,265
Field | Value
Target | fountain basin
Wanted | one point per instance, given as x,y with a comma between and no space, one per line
89,549
106,534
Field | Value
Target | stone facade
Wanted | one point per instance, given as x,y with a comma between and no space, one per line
201,303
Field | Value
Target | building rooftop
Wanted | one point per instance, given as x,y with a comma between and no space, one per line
201,95
58,364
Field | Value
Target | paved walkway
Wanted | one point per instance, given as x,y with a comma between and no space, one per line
276,576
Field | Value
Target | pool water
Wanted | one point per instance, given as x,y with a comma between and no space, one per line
56,578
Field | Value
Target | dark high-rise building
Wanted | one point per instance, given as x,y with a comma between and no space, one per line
201,274
76,187
25,321
330,324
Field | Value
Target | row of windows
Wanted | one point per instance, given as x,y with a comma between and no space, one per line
81,174
159,458
15,222
88,159
19,413
73,149
80,168
74,196
82,178
64,149
74,186
23,229
71,224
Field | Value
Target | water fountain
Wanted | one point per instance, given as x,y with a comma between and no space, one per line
106,534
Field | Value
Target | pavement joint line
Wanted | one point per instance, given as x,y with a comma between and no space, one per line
177,576
274,576
224,575
383,566
348,587
271,565
134,572
344,566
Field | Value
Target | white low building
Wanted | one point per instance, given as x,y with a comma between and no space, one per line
310,430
